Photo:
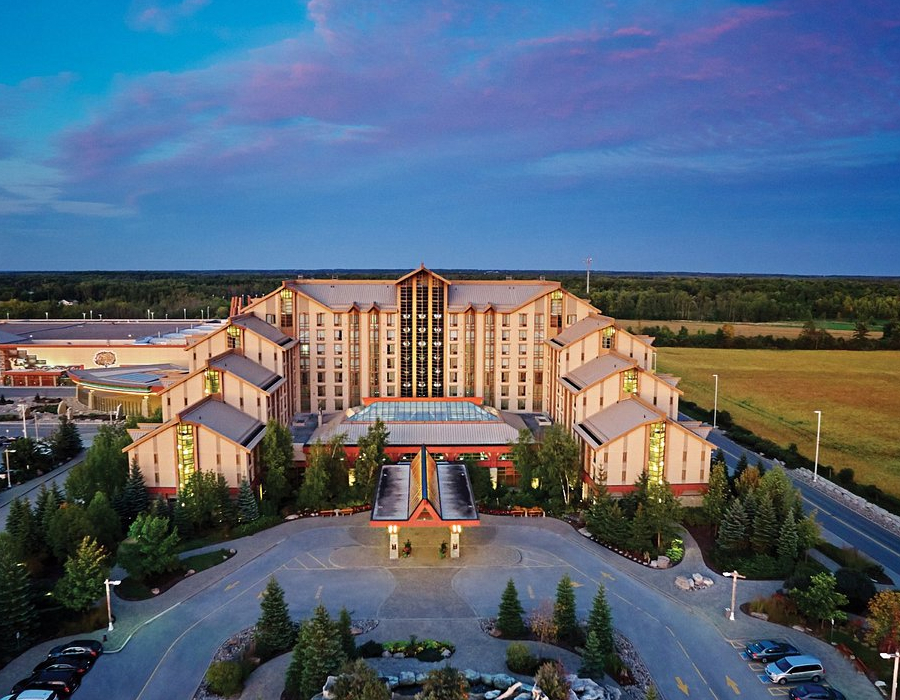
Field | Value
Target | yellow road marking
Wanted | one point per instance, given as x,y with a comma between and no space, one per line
682,686
575,584
232,585
606,575
733,685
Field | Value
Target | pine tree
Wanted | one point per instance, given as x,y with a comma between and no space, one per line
17,623
733,533
641,534
274,632
314,489
135,499
277,456
20,523
564,614
509,616
765,526
715,500
65,441
322,653
293,679
605,519
181,518
787,540
345,632
593,661
248,509
600,623
82,582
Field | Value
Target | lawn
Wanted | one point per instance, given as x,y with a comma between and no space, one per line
784,329
774,393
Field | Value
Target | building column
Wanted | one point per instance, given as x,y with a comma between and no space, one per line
90,398
394,542
454,541
145,405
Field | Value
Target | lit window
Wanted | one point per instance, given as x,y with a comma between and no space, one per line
630,381
211,382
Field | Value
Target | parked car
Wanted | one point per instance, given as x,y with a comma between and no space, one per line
33,694
77,647
794,669
63,682
766,651
79,664
814,691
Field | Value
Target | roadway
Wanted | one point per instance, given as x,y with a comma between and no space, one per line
837,520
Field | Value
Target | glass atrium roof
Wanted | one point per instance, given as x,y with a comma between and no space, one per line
424,412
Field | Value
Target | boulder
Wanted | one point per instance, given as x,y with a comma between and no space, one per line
472,676
654,564
406,678
398,655
663,562
708,582
492,695
523,696
759,615
328,688
487,679
446,653
593,691
683,583
501,681
613,693
385,654
572,695
420,678
393,682
698,578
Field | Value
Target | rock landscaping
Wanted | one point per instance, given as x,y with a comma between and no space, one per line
696,582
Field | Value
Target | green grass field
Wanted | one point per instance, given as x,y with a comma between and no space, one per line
774,393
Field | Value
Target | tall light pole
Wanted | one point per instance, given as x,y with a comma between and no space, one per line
109,583
23,408
818,435
587,284
716,402
7,452
734,575
896,657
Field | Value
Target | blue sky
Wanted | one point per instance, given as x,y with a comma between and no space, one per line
698,136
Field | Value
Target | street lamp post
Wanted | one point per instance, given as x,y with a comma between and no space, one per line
818,435
23,408
734,575
7,452
109,583
896,657
716,402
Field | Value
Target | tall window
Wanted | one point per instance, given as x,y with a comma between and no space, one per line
609,334
303,335
287,308
489,338
630,381
374,355
469,355
354,358
656,461
211,382
556,298
184,434
234,337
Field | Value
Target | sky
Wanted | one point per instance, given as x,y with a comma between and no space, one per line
698,136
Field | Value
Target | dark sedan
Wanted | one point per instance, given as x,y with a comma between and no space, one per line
79,664
766,651
63,682
814,691
77,647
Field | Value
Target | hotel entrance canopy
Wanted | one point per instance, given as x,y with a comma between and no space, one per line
424,493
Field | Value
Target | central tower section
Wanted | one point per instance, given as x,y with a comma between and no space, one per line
422,301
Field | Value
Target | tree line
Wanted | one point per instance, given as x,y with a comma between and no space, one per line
718,298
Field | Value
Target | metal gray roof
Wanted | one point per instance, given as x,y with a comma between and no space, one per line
248,370
620,418
227,421
596,370
392,495
143,376
340,296
120,331
501,295
262,329
431,434
455,489
579,329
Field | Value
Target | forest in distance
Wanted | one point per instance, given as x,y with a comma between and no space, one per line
646,296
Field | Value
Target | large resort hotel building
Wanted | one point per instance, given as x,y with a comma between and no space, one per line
457,366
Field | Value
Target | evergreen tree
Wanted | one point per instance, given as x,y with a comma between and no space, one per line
314,489
82,582
18,616
733,533
564,614
293,680
224,510
742,465
104,521
68,526
277,457
808,533
105,467
322,652
345,632
20,523
135,499
150,548
274,633
509,617
600,624
641,532
765,526
445,683
45,507
715,500
778,486
605,519
248,509
787,540
65,441
593,661
181,518
359,681
663,511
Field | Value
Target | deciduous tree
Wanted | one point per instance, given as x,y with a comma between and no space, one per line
524,454
560,464
82,582
445,683
277,457
151,547
715,500
371,456
821,601
884,621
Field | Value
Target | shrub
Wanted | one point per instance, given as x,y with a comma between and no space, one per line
264,522
371,649
519,659
225,678
803,572
858,588
551,679
429,655
845,477
675,552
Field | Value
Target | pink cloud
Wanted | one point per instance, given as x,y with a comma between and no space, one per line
633,31
163,19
